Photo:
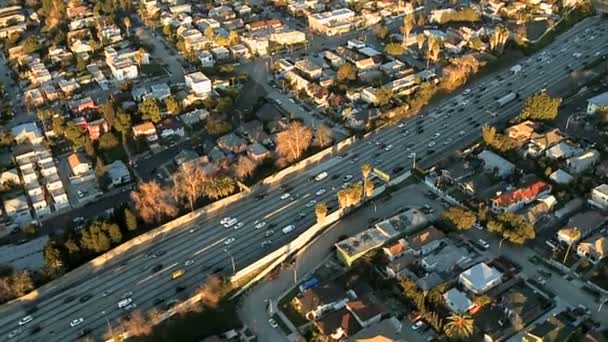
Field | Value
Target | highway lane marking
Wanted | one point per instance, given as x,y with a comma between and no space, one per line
211,245
156,273
279,210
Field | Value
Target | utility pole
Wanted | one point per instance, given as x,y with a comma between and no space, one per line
232,260
109,325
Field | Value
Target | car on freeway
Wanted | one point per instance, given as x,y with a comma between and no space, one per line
124,302
311,203
192,230
238,225
288,229
127,294
478,226
431,144
259,224
321,176
78,219
412,155
231,222
229,240
346,178
483,243
14,333
448,141
320,192
300,216
268,233
388,148
266,243
461,133
285,196
157,268
84,332
225,219
273,323
76,322
188,262
130,307
25,320
86,297
436,135
401,125
107,292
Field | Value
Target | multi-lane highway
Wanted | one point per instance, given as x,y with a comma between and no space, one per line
146,270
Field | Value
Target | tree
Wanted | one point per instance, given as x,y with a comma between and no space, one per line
346,72
420,39
233,38
212,291
139,56
130,220
461,219
149,109
219,186
30,231
433,50
94,238
89,149
109,113
459,326
217,127
31,45
173,106
224,105
497,141
151,202
321,211
394,49
209,33
293,141
380,31
383,96
108,141
458,72
21,283
324,136
75,134
53,261
169,32
138,324
123,123
127,22
58,124
6,139
482,300
408,25
188,183
499,38
540,106
244,167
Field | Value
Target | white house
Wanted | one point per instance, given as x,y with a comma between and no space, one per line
599,196
10,176
198,83
118,173
582,162
480,278
596,102
457,301
494,163
206,59
27,132
79,165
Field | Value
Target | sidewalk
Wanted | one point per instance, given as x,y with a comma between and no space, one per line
253,304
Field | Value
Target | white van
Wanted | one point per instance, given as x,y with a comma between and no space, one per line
288,229
321,176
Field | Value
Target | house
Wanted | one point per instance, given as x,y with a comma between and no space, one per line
597,102
583,224
171,127
231,142
220,53
316,301
480,278
476,185
257,152
496,164
522,132
198,83
594,248
398,267
16,208
458,301
582,162
555,328
387,330
338,325
239,51
424,242
309,68
118,173
542,208
446,260
332,23
10,177
429,281
599,196
194,117
206,59
27,132
79,165
564,149
160,91
395,250
351,249
516,199
539,143
289,37
366,310
96,128
146,130
80,106
560,176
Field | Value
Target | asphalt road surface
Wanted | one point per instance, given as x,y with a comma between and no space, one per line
204,241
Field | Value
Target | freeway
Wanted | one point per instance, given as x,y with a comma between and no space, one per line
200,247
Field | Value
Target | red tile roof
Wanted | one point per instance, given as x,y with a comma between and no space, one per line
528,193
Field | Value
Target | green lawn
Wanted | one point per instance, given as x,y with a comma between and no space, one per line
152,69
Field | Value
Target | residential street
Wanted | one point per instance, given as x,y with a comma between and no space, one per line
253,308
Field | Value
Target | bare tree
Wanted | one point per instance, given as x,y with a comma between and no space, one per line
244,167
433,50
321,211
408,26
151,202
324,136
212,291
458,72
292,142
499,38
138,324
154,315
188,183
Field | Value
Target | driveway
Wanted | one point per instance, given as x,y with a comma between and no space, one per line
253,303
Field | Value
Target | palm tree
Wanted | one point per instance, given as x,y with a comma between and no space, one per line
459,326
366,169
218,187
127,22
